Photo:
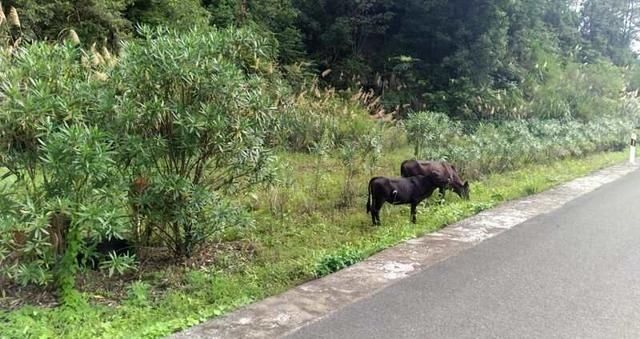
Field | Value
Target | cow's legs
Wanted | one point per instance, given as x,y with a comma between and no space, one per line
375,211
413,212
374,214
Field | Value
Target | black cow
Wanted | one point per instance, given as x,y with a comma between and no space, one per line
445,175
398,191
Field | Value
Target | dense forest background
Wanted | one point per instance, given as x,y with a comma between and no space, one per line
470,59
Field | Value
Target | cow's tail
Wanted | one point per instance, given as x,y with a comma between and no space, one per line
369,197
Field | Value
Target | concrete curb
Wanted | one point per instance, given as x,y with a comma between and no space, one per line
282,314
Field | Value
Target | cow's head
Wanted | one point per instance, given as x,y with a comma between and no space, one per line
461,189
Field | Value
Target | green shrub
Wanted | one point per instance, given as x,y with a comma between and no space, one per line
334,262
311,116
156,137
76,193
429,131
199,127
487,146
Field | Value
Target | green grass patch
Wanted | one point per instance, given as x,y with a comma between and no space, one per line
300,234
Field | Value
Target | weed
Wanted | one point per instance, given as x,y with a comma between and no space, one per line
338,260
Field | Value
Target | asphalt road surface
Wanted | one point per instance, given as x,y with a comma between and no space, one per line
572,273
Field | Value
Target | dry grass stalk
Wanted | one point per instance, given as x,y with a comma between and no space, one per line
84,60
96,58
106,55
331,91
73,37
14,19
100,76
3,18
374,103
316,91
357,96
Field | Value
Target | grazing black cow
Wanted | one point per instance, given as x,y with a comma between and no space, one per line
445,175
398,191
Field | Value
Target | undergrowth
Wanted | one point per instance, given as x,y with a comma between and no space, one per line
293,248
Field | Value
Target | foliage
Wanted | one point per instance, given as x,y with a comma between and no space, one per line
118,264
175,14
478,59
504,145
315,115
292,251
199,127
76,195
87,157
94,20
275,16
171,142
470,60
609,28
428,129
342,258
185,215
65,182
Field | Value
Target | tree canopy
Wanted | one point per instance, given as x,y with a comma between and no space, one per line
467,58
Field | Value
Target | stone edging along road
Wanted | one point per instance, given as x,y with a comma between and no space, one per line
278,315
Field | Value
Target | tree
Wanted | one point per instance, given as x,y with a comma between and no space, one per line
609,27
175,14
93,20
275,16
346,36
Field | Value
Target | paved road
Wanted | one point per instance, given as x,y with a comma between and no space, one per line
573,273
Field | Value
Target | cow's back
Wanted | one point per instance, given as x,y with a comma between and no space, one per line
411,168
441,171
437,169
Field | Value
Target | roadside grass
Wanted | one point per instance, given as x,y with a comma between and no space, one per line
304,229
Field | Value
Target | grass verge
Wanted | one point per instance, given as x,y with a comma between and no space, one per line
299,235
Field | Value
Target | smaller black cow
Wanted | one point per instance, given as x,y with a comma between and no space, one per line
398,191
444,174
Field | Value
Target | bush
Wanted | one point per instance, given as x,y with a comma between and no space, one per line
142,147
594,93
311,116
200,126
430,131
75,193
64,182
487,147
184,215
